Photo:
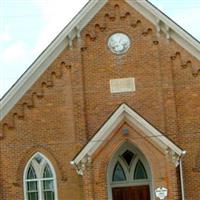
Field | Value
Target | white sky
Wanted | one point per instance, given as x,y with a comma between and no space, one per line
28,26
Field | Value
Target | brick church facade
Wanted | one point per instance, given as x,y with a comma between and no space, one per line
110,110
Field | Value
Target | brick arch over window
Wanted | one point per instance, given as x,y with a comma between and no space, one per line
128,167
61,175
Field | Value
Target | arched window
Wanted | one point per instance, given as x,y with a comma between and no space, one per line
140,172
118,174
39,179
128,170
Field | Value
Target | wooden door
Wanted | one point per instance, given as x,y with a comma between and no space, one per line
131,193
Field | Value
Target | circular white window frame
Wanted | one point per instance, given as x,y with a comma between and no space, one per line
119,43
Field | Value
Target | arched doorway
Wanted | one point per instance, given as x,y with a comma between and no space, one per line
129,175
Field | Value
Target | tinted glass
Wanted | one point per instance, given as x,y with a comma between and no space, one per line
48,195
118,174
128,156
140,172
47,172
48,189
31,173
33,196
32,185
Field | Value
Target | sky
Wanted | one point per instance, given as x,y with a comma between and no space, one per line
28,26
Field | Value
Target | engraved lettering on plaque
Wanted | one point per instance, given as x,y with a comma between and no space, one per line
122,85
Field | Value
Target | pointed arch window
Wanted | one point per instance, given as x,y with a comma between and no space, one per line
140,172
39,179
127,171
118,174
129,168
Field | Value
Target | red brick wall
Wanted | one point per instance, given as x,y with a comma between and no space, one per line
71,100
161,164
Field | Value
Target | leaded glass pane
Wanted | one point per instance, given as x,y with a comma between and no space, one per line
140,172
48,185
47,172
31,173
118,174
32,185
48,190
32,195
49,195
128,156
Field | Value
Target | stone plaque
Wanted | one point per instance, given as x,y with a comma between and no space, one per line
122,85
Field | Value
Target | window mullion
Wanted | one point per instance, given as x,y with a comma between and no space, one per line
40,189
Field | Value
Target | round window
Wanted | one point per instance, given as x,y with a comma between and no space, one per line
119,43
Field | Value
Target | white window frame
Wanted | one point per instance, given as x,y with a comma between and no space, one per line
38,172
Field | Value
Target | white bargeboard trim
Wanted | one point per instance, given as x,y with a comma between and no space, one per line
49,55
125,112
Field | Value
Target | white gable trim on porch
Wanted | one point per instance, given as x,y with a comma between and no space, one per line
73,29
125,112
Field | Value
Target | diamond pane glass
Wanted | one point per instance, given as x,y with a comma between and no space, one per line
38,158
31,173
128,156
47,172
140,172
118,174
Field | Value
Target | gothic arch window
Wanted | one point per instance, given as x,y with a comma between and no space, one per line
128,168
39,179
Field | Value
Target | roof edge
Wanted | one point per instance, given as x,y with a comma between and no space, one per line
39,66
167,26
